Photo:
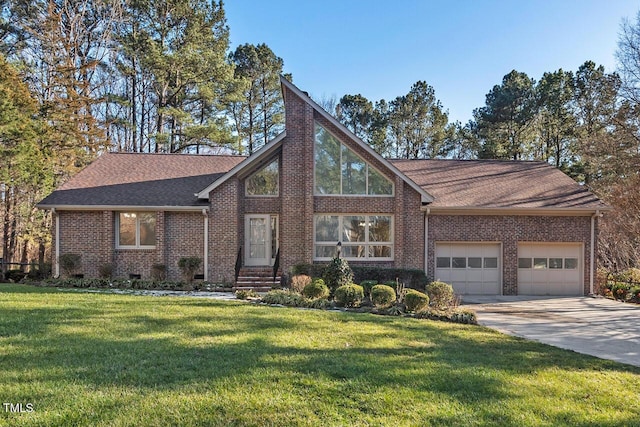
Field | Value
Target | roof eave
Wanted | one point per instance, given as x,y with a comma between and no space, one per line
425,196
59,207
541,211
265,150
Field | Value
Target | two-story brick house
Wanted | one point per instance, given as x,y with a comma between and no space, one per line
487,227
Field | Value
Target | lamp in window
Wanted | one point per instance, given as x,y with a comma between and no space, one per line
338,249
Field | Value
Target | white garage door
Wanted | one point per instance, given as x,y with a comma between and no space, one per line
470,268
550,269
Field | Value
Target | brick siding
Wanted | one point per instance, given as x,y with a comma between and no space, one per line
509,230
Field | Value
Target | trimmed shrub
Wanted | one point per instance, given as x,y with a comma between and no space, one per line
188,266
316,289
105,271
319,303
299,282
620,291
440,294
415,300
382,296
412,278
245,294
337,273
350,295
15,275
70,263
284,297
634,294
158,272
367,285
457,315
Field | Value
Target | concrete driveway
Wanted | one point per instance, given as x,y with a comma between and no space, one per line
596,326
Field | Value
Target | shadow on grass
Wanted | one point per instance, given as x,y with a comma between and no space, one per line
167,344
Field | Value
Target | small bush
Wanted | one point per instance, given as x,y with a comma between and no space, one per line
367,285
70,263
299,282
382,296
440,294
350,295
319,303
245,294
105,271
283,297
15,275
412,278
415,300
634,294
316,289
620,291
457,315
337,273
188,266
158,272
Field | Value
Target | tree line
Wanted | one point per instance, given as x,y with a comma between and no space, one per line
585,123
80,77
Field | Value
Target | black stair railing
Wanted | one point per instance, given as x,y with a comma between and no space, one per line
238,262
276,264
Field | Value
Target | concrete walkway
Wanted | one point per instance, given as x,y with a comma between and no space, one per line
596,326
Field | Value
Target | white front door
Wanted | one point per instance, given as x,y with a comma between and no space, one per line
258,240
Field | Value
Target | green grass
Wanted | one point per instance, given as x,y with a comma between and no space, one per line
104,359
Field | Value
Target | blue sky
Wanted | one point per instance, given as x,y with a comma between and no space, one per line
460,47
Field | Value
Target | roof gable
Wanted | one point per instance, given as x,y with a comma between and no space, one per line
426,197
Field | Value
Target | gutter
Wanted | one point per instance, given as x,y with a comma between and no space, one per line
205,214
592,262
56,272
121,208
427,211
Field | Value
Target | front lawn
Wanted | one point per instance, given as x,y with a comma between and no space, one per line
105,359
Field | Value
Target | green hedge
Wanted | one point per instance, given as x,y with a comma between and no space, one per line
412,278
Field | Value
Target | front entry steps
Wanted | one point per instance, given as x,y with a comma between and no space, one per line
257,279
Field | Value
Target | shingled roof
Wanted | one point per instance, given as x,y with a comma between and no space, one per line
171,180
134,179
494,184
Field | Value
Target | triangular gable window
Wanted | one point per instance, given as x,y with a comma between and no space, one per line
264,182
338,170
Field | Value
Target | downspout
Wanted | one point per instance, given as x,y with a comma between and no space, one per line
206,245
426,240
56,273
592,262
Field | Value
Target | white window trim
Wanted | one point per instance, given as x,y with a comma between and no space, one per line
246,181
137,245
366,243
367,166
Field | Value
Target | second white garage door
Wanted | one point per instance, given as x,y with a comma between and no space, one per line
471,268
549,269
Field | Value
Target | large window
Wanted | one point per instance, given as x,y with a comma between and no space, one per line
361,236
338,170
264,182
136,230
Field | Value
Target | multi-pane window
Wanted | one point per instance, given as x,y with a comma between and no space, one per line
467,262
264,182
548,263
136,230
338,170
361,236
